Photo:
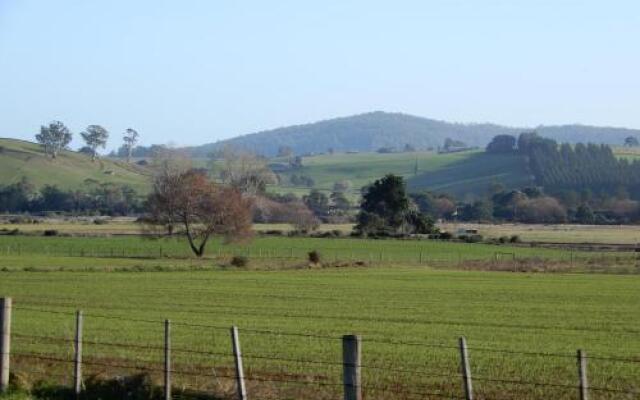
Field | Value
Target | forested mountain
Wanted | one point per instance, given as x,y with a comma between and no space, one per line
372,131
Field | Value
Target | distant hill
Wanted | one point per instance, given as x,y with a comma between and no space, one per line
371,131
69,170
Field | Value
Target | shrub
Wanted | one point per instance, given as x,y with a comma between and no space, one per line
239,261
472,238
515,239
504,239
314,257
274,232
445,236
51,232
99,221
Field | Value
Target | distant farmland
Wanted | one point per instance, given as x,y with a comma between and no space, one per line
463,173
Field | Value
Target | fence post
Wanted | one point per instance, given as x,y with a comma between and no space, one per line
582,371
77,359
351,360
466,369
5,342
167,360
237,356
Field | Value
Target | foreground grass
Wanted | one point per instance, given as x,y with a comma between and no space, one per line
138,253
546,316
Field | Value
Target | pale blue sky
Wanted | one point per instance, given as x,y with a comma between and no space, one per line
192,72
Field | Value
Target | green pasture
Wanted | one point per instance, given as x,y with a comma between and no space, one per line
68,171
522,329
13,249
464,173
473,175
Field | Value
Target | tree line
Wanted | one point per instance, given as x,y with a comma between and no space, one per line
56,137
581,183
92,198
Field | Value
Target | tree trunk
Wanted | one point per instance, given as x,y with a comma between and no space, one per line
198,250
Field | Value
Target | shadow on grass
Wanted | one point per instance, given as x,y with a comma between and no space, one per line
134,387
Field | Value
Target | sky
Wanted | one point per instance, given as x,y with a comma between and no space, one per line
191,72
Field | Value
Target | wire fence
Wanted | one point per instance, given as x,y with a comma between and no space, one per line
288,364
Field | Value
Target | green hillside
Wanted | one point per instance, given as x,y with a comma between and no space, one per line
20,159
473,174
464,173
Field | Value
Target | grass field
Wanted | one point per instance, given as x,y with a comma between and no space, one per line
519,327
461,173
20,159
409,299
473,175
18,251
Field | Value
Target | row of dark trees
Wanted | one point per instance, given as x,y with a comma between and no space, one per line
56,137
93,198
564,168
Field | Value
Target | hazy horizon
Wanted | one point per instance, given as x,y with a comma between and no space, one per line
198,72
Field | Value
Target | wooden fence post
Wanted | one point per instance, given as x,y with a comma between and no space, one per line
5,342
466,369
167,360
237,356
351,361
582,372
77,359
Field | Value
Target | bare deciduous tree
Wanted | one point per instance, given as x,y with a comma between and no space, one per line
202,208
246,172
54,137
95,136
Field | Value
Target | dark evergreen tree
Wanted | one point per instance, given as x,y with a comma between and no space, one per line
502,144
